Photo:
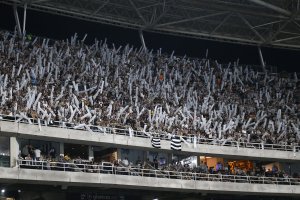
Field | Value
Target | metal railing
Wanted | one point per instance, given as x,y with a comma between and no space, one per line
109,168
163,136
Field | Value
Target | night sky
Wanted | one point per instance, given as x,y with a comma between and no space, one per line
58,27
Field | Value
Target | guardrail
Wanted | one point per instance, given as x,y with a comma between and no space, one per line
109,168
163,136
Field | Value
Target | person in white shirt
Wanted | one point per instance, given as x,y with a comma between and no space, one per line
125,162
37,154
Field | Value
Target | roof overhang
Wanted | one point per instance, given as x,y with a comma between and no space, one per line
273,23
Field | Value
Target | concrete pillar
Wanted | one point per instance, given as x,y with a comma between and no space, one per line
61,149
14,151
91,152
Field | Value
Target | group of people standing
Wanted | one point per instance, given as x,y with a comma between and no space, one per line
69,82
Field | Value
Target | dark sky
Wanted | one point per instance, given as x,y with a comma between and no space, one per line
59,27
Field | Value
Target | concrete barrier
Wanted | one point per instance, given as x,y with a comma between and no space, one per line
32,176
99,139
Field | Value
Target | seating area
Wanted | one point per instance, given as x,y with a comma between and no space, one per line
104,88
116,169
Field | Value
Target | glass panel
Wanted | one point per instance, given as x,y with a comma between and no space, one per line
4,152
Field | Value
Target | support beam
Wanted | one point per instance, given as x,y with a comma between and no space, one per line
270,40
100,7
24,19
269,23
164,11
288,38
142,39
220,24
263,65
272,7
153,16
297,25
17,20
192,19
138,12
149,6
39,1
251,27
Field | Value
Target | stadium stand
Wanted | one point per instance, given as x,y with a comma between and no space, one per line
71,84
172,171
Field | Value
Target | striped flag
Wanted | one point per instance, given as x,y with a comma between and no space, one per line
176,143
155,141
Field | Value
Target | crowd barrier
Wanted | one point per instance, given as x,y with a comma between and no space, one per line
109,168
163,136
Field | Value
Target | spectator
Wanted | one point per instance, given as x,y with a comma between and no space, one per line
139,162
125,162
25,151
81,86
155,163
52,153
219,166
37,154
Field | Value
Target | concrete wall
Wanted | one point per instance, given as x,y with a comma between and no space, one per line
31,176
85,137
29,195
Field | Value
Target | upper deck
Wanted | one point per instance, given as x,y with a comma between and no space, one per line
138,140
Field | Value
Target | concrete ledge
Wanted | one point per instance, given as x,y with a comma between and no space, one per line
100,139
32,176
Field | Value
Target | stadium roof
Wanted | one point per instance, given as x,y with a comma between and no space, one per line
274,23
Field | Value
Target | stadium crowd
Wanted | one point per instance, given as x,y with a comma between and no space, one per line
34,157
79,85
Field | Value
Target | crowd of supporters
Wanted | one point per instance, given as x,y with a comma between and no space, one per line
70,82
36,158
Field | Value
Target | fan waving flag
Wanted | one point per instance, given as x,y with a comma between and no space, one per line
176,143
155,141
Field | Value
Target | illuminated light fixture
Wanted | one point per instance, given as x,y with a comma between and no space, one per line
3,190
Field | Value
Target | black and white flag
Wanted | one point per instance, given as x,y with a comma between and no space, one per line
176,143
155,141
